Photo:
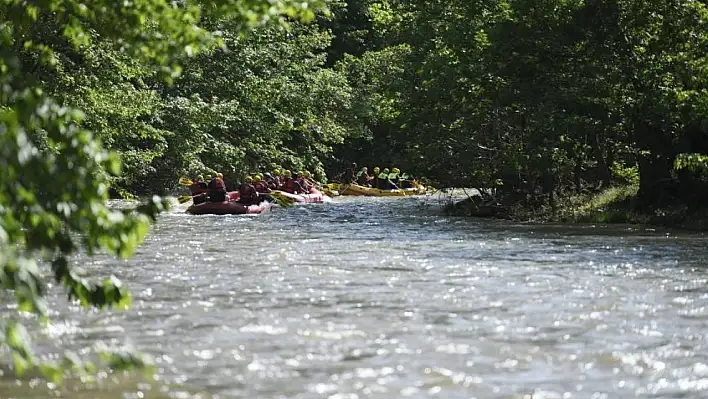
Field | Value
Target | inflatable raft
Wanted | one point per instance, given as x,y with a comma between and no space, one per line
228,208
355,189
312,197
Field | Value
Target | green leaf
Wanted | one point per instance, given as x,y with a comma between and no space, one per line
52,371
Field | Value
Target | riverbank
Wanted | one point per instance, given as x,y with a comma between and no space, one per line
612,205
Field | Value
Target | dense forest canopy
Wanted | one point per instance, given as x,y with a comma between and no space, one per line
541,95
535,95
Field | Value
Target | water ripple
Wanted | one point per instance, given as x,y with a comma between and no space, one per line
379,298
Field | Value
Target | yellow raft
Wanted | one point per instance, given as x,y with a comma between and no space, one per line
355,189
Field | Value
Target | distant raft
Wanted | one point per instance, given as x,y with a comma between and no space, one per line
228,208
355,189
314,196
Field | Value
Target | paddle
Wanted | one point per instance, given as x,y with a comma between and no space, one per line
185,181
329,190
283,201
183,199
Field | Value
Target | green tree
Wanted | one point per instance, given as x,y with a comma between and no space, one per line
56,174
545,96
267,101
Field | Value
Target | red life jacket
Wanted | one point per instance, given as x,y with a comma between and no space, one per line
220,185
217,190
261,187
247,194
291,186
197,188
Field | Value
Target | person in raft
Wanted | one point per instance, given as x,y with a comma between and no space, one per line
374,178
198,190
302,181
399,179
217,189
271,182
310,183
277,179
363,177
395,178
350,175
198,186
260,185
247,194
385,182
291,184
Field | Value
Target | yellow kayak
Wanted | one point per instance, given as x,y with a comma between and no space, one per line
355,189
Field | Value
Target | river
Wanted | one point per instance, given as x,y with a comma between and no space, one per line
383,298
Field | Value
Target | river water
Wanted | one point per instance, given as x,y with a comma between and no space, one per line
383,298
